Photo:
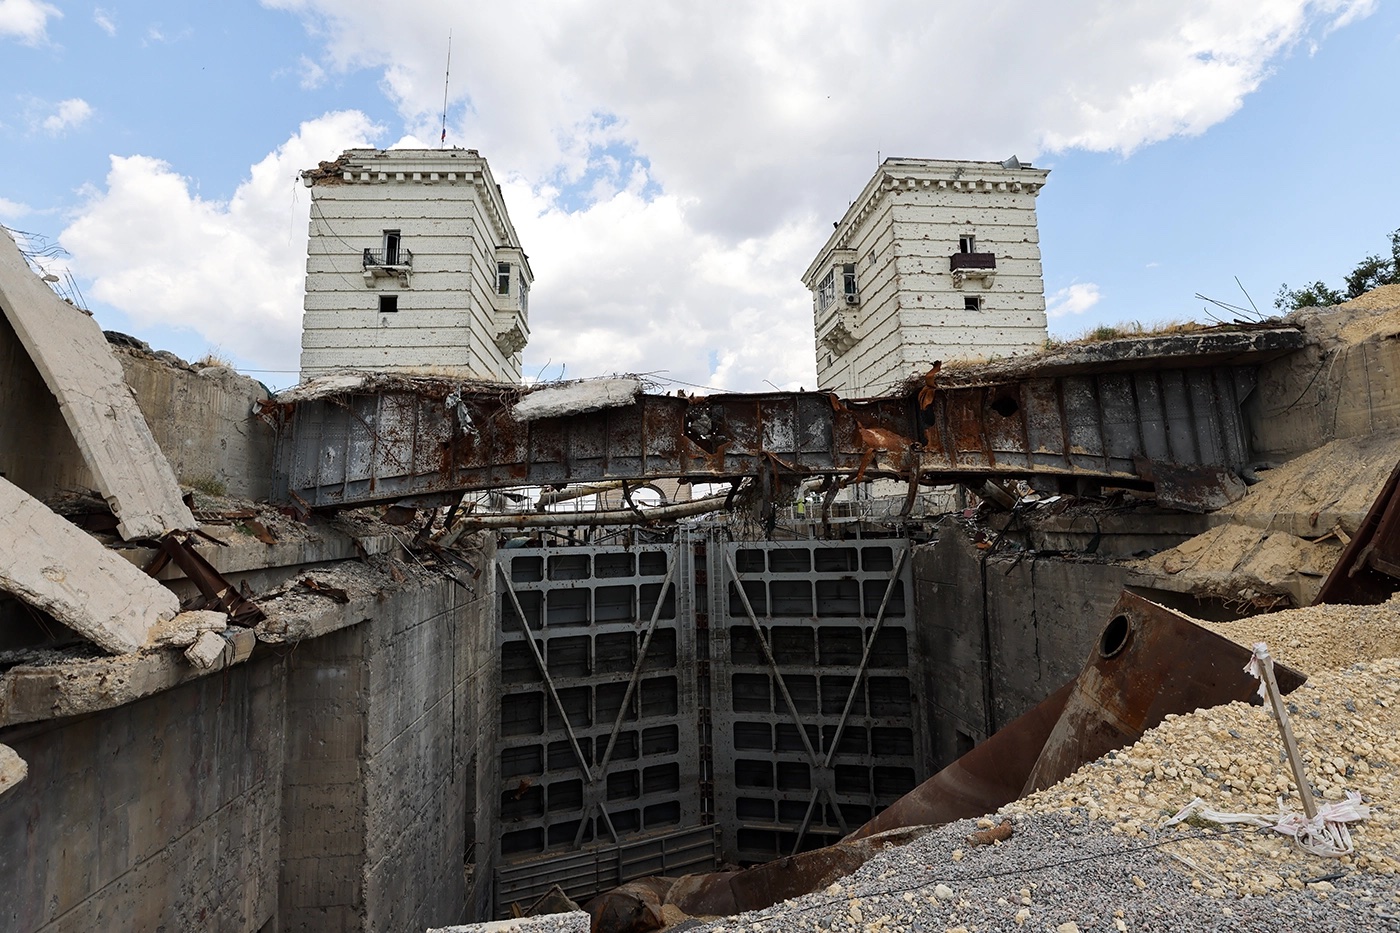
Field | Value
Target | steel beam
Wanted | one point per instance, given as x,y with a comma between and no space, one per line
393,437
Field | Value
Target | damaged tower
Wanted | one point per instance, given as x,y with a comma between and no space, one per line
934,260
413,266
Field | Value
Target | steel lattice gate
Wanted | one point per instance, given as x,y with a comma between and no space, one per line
647,725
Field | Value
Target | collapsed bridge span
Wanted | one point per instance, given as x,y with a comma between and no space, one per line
1113,412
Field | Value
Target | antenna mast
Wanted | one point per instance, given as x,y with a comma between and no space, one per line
446,78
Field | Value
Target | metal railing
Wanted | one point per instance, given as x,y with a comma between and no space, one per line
387,259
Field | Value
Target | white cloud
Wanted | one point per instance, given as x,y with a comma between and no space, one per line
13,210
27,20
672,168
104,21
231,271
70,114
754,124
1074,299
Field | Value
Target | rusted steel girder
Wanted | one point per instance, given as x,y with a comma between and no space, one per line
402,438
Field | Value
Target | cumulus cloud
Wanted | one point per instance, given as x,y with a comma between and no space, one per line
1074,299
27,20
672,168
71,113
232,270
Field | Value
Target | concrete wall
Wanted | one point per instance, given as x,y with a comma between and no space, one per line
912,311
385,737
1317,395
203,422
450,317
997,640
161,814
339,784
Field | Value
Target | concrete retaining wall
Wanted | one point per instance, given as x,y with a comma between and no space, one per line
1038,616
159,814
332,785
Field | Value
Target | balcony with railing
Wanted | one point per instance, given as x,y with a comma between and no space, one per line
395,262
395,259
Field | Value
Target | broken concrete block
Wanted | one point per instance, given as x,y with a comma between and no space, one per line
576,397
60,569
185,628
73,356
207,650
13,768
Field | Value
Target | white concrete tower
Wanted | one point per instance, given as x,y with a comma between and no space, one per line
935,260
413,266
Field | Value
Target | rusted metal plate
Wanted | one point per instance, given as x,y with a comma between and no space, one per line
989,776
1149,662
1369,569
1198,489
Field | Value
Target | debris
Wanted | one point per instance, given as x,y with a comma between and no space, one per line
573,398
218,593
207,649
331,592
260,531
13,768
985,837
184,629
59,569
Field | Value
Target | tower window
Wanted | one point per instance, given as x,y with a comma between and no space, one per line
848,283
391,247
388,304
972,303
967,244
503,278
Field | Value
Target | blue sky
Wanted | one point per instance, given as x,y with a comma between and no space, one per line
673,168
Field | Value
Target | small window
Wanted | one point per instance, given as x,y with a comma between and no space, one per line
503,278
848,282
388,304
524,296
391,247
967,244
826,291
972,303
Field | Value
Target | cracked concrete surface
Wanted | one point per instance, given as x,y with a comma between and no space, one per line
60,569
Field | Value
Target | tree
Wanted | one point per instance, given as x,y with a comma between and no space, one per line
1371,272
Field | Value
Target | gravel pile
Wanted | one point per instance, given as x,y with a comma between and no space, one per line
1091,853
1062,874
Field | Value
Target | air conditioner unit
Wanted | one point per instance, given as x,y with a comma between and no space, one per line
852,299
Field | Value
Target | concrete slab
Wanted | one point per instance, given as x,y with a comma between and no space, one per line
77,364
54,566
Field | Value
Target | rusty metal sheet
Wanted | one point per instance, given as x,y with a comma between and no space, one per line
1198,489
1148,662
987,777
1369,569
